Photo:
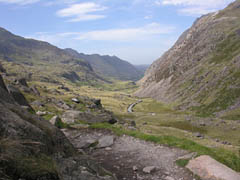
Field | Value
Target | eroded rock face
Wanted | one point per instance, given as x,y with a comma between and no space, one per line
209,169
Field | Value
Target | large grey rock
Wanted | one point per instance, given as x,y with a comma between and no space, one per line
209,169
18,96
73,116
105,141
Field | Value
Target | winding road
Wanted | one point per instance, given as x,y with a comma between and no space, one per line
131,106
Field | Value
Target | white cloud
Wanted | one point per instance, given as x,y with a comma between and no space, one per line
195,7
20,2
193,11
126,34
116,35
82,12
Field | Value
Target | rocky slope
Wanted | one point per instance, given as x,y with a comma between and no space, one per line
201,71
109,66
32,148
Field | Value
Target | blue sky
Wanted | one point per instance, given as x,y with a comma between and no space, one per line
138,31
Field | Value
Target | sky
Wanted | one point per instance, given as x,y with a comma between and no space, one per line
138,31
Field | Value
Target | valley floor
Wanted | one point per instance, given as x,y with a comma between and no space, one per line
152,121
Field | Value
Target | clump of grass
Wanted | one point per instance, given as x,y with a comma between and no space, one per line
228,158
182,162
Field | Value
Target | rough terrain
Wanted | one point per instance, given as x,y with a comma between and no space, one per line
126,157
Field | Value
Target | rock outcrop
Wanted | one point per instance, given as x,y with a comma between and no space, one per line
73,116
32,148
201,71
18,96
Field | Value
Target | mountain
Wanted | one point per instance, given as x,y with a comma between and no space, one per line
201,72
142,67
42,61
109,66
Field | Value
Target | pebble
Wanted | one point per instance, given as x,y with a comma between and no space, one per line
149,169
108,149
169,178
135,168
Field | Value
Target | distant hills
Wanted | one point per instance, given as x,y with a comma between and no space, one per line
41,61
142,67
109,66
201,72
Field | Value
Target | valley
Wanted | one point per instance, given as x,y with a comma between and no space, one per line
69,115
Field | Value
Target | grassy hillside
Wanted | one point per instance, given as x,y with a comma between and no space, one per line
37,60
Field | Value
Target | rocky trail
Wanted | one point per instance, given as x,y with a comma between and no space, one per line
129,158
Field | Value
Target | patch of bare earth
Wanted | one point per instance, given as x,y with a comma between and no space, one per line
128,156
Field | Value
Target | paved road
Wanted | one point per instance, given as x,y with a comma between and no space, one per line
130,108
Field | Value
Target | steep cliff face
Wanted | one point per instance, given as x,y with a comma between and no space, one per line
201,71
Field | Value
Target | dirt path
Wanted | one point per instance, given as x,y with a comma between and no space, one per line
127,157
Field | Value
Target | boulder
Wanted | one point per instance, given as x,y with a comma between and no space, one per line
84,144
73,116
22,81
105,141
76,100
97,102
17,96
209,169
41,113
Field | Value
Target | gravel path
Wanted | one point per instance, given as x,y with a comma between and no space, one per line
127,157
